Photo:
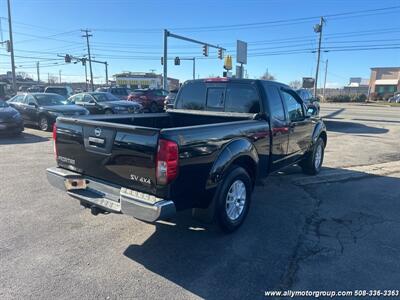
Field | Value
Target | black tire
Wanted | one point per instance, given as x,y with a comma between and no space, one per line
108,111
153,107
225,221
309,164
44,123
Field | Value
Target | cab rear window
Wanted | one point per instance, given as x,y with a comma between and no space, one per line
235,97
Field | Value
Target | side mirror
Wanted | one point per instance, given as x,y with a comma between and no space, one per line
311,111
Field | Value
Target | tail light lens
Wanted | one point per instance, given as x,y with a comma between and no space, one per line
55,139
167,161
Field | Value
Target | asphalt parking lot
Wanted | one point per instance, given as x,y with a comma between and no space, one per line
339,230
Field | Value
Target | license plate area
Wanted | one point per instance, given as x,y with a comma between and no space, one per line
75,184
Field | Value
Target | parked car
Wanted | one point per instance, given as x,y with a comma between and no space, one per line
170,99
42,109
394,99
36,89
206,154
309,100
10,119
120,92
64,91
151,99
105,103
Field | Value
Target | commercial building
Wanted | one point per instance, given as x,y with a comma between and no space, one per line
141,80
384,81
357,86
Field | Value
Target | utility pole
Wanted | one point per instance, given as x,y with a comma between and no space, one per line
38,72
165,79
59,75
14,81
326,72
87,35
318,29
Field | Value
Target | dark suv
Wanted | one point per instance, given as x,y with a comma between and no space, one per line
151,99
119,92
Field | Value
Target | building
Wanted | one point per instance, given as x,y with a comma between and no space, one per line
357,86
141,80
384,82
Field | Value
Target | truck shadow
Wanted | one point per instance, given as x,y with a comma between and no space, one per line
353,128
256,258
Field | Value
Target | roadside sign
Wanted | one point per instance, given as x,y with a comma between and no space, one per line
228,63
241,52
308,82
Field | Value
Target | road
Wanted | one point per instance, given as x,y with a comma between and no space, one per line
337,231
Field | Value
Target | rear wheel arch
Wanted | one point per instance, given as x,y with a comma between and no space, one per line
240,152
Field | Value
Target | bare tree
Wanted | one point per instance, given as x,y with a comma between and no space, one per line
267,76
295,84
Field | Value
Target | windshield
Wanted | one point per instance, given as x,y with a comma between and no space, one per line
3,104
49,99
104,97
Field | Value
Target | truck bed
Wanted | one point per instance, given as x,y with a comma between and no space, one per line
122,149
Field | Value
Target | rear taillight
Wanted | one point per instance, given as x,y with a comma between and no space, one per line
167,161
55,139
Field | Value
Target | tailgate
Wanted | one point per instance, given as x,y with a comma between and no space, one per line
122,154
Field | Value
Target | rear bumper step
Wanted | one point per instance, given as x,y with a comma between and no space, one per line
109,197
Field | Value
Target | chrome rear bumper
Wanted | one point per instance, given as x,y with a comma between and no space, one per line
112,198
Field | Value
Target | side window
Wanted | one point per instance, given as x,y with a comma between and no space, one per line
29,99
242,98
77,98
87,98
24,99
275,103
215,98
295,109
192,96
18,99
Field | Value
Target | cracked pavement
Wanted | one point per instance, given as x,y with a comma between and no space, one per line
336,231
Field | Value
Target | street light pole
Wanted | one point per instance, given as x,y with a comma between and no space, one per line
326,72
14,82
38,71
106,64
194,68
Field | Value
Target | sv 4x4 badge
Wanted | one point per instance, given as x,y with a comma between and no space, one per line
140,179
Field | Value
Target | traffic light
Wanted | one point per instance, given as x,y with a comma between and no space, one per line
205,50
83,61
162,60
67,58
8,46
220,53
177,61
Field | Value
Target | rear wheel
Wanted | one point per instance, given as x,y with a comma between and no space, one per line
44,123
312,162
233,199
108,112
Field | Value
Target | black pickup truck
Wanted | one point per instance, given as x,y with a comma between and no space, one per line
205,154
